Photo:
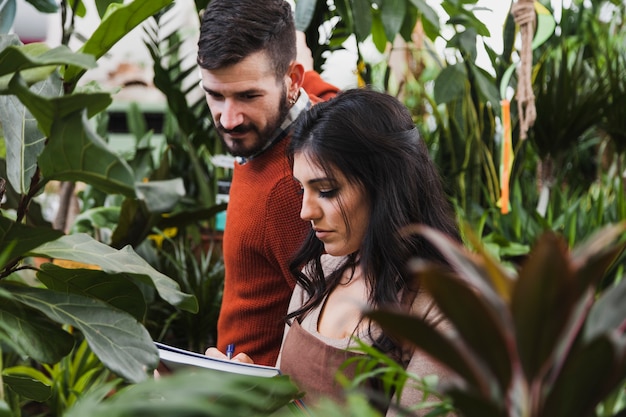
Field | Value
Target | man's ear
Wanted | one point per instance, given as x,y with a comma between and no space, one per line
296,77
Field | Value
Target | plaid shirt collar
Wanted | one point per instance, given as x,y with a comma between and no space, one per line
302,104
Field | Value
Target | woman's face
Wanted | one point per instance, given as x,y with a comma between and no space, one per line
328,203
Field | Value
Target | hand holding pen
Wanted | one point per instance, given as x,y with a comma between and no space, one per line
230,354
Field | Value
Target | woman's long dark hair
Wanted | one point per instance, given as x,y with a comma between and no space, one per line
371,139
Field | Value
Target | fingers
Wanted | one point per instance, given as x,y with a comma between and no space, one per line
242,357
213,352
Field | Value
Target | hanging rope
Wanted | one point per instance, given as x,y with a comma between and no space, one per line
524,14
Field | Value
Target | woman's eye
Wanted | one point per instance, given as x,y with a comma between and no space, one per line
328,193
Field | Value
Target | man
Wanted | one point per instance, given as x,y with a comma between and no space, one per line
255,89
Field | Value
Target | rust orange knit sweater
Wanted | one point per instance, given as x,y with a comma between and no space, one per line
263,230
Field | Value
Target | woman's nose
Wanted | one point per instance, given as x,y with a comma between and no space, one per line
310,211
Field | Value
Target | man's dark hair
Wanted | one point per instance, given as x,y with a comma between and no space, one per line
231,30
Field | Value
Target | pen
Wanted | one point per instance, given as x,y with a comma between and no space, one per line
230,350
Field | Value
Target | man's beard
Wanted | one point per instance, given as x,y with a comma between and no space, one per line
262,136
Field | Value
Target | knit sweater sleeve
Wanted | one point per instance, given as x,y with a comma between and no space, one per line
318,89
287,231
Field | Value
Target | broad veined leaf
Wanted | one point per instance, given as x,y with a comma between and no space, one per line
7,16
119,340
75,152
119,21
18,239
51,111
24,140
82,248
118,290
30,332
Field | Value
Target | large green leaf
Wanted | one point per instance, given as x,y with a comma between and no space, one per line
51,111
82,248
30,332
119,340
24,140
25,58
119,20
75,152
116,289
18,239
201,393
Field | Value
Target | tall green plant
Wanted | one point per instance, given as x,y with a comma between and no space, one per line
45,119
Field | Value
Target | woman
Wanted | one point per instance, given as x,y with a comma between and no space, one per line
365,174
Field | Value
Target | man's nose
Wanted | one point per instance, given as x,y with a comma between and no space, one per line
231,115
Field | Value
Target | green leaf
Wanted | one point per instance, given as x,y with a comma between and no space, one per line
608,312
115,289
47,111
392,15
103,5
199,393
361,11
76,153
45,6
34,55
120,341
450,84
5,410
24,238
82,248
160,196
28,387
117,23
430,18
30,332
305,9
24,140
378,33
